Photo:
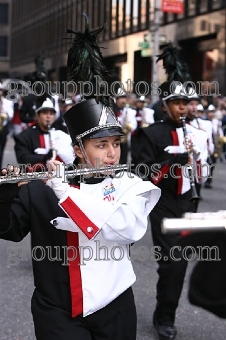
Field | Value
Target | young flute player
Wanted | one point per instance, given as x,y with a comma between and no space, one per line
96,221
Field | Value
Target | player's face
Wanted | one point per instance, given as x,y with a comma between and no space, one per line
210,115
121,102
192,109
101,151
46,118
140,105
177,108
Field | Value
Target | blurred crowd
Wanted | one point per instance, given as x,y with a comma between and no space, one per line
133,112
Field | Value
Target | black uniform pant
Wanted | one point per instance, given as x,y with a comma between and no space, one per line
212,160
116,321
171,261
198,188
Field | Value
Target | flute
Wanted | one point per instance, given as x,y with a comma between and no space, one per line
207,221
32,176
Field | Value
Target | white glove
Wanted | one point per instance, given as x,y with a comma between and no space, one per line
41,151
60,188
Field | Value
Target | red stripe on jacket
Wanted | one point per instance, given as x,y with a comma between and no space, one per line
74,274
42,141
163,172
78,216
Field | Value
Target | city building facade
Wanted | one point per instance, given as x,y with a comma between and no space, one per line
5,8
38,27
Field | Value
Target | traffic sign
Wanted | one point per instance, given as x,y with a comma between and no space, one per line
144,44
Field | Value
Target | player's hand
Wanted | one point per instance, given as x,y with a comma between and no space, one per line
11,172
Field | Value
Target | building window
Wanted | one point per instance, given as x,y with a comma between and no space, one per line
135,16
180,16
128,16
203,6
203,25
3,46
191,7
113,18
170,17
4,13
107,19
143,13
120,17
216,4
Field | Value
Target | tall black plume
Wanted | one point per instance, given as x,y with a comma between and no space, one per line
85,62
175,69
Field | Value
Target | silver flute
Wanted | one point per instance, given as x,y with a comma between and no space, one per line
206,221
34,176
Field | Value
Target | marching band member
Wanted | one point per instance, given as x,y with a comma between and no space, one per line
192,118
200,111
86,294
167,152
144,115
40,143
64,105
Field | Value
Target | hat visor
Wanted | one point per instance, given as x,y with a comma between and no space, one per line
115,131
41,109
176,98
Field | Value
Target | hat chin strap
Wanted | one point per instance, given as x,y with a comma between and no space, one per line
85,154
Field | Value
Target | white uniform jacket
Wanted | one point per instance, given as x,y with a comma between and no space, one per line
205,125
128,116
61,143
147,116
200,154
6,106
200,166
106,217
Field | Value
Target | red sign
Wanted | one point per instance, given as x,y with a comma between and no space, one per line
173,6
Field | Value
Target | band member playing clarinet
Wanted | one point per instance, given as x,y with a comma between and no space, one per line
40,143
167,150
83,288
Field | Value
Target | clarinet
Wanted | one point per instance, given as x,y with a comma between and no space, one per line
194,196
54,153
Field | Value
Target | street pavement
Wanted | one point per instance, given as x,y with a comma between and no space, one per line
16,281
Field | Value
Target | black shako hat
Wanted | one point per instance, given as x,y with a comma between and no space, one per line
172,90
89,119
93,116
